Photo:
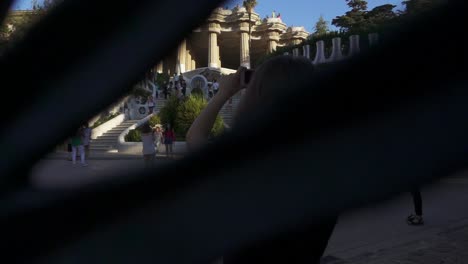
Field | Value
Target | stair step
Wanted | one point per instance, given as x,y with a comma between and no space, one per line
110,132
101,147
108,137
104,141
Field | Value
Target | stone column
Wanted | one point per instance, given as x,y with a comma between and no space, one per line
271,46
180,68
160,67
244,52
244,44
213,54
273,38
218,56
188,61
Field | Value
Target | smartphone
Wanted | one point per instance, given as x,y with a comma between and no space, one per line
247,76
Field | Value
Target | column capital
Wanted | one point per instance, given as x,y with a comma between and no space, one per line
214,28
273,36
244,27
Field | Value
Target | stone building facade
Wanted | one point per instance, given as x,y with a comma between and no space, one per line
223,41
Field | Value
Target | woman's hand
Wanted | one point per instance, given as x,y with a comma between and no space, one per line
230,84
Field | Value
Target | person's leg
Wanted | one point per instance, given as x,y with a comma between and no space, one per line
82,154
417,218
416,193
167,149
69,149
87,151
74,154
170,149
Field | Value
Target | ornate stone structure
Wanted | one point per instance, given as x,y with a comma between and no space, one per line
223,42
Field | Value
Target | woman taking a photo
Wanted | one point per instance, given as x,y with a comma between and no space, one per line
303,245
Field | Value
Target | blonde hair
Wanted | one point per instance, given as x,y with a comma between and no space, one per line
272,78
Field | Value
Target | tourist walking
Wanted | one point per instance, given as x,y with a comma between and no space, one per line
416,218
296,245
150,105
77,145
149,148
184,88
165,88
215,86
158,137
210,91
169,139
87,131
69,149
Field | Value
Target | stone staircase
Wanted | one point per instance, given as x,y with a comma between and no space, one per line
108,141
228,110
159,103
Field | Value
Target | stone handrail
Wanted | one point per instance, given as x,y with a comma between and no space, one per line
103,128
131,147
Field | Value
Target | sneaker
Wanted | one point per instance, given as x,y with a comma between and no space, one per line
415,220
84,164
410,217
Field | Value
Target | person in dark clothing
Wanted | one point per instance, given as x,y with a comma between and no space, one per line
184,88
304,245
165,91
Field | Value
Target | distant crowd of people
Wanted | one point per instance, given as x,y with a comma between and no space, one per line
176,87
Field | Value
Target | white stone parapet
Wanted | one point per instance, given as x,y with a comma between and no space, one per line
337,54
373,39
296,52
320,55
306,51
103,128
354,45
131,147
336,50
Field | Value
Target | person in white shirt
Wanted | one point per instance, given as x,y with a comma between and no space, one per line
149,148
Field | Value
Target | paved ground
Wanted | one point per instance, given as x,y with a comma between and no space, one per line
379,233
375,234
61,173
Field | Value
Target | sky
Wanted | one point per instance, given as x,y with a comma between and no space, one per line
293,12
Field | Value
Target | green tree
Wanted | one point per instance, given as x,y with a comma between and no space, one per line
249,6
380,16
321,27
359,19
189,110
416,6
354,20
168,112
